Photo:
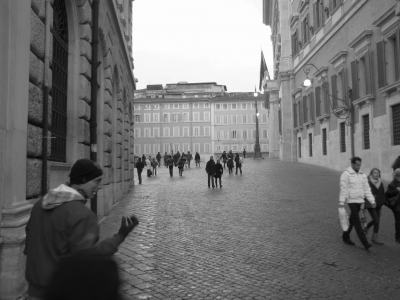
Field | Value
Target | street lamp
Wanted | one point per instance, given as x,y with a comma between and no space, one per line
257,150
344,111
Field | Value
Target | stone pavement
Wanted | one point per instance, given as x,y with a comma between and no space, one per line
271,233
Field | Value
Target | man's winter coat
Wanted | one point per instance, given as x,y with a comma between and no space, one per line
189,157
197,156
354,187
60,225
210,167
140,166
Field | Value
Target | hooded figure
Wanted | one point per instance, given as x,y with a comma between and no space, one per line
61,225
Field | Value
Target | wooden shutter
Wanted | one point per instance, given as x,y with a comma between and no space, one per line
334,91
292,39
368,75
305,109
300,110
397,55
312,114
315,16
327,103
331,7
318,101
294,115
344,87
321,13
380,51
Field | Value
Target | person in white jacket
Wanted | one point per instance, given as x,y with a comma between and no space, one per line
354,188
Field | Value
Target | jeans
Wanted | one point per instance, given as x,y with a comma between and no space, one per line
171,170
197,162
240,168
230,169
210,176
188,163
375,215
139,174
180,171
155,171
216,179
354,220
396,215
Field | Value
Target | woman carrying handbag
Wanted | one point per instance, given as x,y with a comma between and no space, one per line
377,189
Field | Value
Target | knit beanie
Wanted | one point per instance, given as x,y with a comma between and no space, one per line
84,170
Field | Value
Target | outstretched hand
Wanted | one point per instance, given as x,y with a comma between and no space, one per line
127,225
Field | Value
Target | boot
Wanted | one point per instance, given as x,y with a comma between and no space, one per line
375,239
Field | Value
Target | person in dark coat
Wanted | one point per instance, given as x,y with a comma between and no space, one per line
224,158
219,170
158,157
378,191
230,154
210,169
189,157
61,225
154,165
230,165
176,158
165,159
244,153
393,191
197,158
238,163
139,169
181,165
144,159
170,162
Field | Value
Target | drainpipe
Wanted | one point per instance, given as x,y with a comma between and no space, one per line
352,129
46,97
93,94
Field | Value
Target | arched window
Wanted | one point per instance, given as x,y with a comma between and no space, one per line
59,85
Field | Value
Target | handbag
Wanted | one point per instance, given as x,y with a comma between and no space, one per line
343,219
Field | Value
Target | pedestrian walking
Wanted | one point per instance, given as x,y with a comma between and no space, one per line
158,157
183,157
378,191
154,165
176,158
165,159
61,225
197,158
393,201
144,159
139,169
170,162
230,155
219,170
181,165
148,165
224,158
189,158
244,152
354,188
230,165
238,163
210,169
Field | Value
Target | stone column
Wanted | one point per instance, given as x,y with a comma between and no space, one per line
15,16
285,153
273,126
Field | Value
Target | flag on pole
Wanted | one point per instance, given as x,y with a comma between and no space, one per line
263,68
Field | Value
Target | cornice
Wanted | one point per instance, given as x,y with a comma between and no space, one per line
383,18
341,54
366,34
292,19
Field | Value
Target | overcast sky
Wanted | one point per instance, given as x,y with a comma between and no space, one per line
200,41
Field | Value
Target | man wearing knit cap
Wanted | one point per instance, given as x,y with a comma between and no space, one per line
62,225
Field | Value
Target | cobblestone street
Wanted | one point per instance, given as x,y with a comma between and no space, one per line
271,233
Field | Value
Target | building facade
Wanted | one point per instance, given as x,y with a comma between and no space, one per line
46,59
196,117
349,50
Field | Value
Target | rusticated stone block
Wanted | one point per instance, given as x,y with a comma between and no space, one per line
107,113
118,174
119,163
108,59
126,176
37,35
119,105
35,105
119,115
85,68
85,49
85,32
119,151
39,8
119,127
34,147
119,139
107,144
107,129
107,160
83,110
126,165
85,13
108,73
106,175
108,86
84,132
33,177
84,88
33,68
83,151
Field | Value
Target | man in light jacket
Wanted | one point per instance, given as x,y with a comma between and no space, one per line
354,188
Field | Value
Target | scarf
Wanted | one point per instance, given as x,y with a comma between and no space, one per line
59,196
376,182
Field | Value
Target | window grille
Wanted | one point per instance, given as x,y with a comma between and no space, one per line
324,138
299,144
396,124
342,137
60,78
366,131
310,144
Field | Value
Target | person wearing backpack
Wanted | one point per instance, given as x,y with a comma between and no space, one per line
158,157
230,165
238,164
197,158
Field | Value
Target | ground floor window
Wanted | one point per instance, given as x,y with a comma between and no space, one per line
366,131
396,124
342,137
310,144
299,139
324,138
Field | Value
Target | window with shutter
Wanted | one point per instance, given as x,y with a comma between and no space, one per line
280,121
368,73
294,115
299,145
312,115
327,103
300,113
324,146
397,55
305,112
310,144
334,91
318,101
354,80
380,51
